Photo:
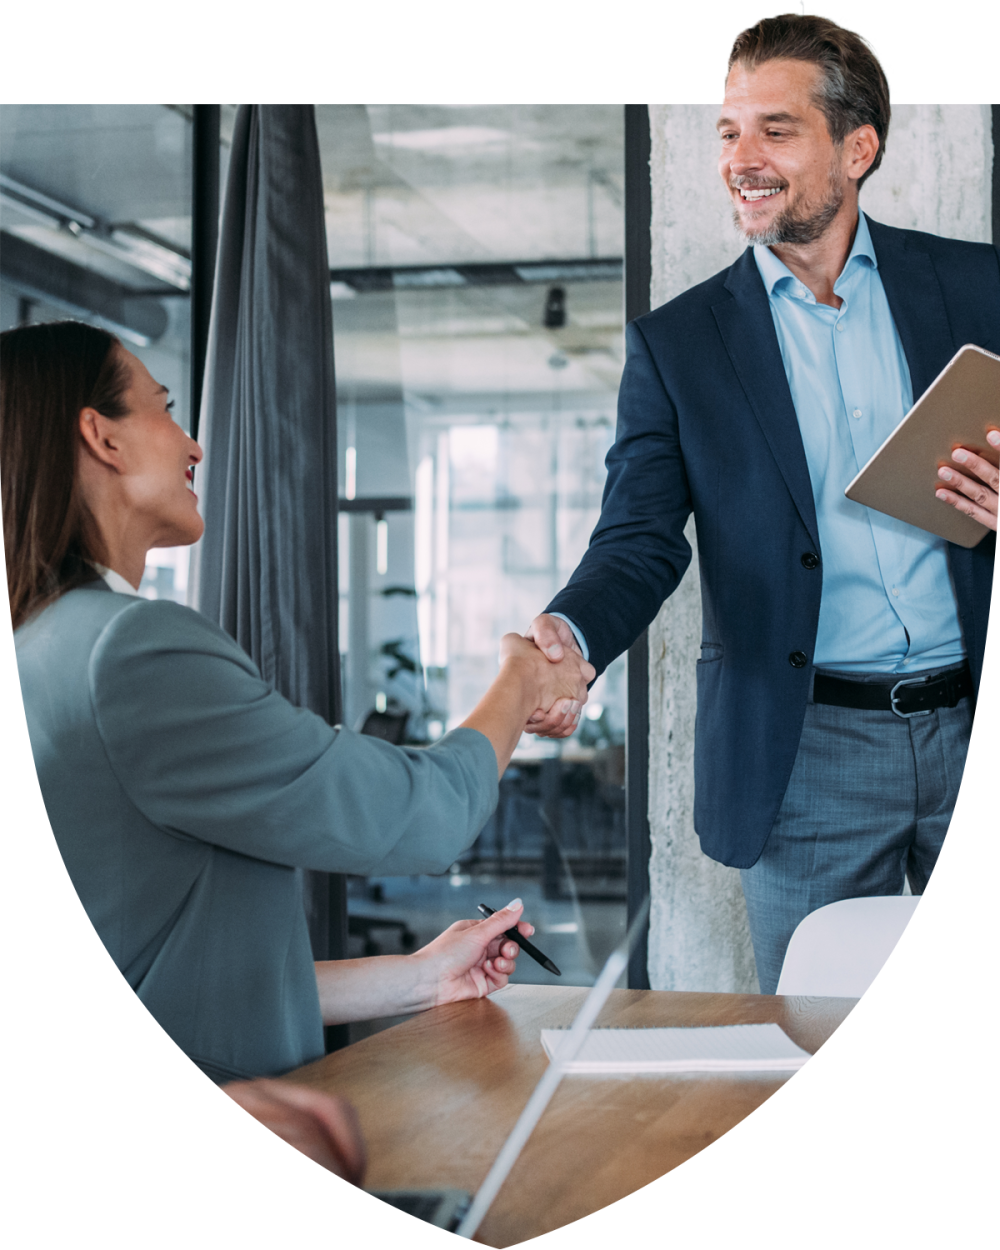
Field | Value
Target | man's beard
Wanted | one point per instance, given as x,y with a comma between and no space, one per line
792,225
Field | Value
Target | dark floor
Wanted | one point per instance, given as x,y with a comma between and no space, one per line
578,935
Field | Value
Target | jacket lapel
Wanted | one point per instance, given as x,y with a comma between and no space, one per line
916,303
747,330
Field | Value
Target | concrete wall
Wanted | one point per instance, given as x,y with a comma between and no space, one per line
935,176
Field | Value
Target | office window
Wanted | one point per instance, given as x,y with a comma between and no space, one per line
475,268
95,214
475,258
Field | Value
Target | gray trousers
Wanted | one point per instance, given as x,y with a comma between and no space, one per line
868,805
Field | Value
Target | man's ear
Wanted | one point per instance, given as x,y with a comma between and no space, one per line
100,438
862,148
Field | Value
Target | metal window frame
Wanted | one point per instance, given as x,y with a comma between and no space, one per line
205,135
638,276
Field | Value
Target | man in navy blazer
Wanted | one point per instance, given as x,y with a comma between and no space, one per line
751,400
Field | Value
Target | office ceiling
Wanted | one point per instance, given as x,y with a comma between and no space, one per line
419,185
423,184
442,185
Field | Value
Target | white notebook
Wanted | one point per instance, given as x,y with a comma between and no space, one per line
724,1048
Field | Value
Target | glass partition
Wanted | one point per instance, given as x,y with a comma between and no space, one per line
475,258
95,214
475,267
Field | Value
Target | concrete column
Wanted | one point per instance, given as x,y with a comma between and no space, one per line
935,177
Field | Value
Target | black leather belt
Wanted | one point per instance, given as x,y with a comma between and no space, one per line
906,696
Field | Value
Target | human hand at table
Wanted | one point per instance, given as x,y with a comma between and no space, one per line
974,487
472,958
322,1126
554,638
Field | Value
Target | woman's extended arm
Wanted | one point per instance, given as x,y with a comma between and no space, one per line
469,960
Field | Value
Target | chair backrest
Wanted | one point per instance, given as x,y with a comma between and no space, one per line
389,726
838,950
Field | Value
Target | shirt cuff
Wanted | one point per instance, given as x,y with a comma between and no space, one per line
581,641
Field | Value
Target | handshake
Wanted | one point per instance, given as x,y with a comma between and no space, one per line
562,675
559,717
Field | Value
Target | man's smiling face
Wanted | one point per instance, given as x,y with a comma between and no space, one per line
786,177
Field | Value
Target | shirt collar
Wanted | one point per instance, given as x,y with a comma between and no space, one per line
116,582
772,270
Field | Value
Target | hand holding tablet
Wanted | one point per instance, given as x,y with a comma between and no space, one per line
958,414
974,486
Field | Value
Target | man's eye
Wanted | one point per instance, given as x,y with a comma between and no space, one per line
170,405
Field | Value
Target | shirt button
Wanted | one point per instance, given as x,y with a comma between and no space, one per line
895,592
798,659
840,327
856,412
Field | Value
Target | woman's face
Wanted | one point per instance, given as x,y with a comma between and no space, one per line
158,458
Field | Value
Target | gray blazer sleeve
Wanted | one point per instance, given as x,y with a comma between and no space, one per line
206,749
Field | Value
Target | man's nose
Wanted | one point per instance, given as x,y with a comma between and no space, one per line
746,155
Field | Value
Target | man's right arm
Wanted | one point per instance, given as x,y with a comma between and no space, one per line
638,552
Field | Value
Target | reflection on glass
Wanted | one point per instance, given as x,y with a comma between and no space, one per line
476,278
95,214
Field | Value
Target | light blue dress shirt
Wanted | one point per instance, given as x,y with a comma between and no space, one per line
887,603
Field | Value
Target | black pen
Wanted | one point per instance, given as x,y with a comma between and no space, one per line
524,944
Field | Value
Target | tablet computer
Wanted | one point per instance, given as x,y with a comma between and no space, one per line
956,410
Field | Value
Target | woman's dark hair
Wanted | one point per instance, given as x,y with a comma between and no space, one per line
48,373
853,91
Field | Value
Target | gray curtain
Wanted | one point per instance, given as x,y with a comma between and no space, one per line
267,568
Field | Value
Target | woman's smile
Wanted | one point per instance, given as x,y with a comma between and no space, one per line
153,446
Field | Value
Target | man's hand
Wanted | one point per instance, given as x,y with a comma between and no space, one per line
973,490
554,638
322,1126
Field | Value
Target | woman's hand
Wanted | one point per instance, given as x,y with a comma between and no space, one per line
472,958
322,1126
975,489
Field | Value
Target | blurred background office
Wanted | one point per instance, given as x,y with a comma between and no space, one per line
475,258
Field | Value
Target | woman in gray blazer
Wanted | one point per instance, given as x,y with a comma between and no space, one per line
183,791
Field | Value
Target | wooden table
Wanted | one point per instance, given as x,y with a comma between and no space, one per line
438,1094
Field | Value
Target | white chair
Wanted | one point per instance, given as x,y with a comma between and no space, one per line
838,949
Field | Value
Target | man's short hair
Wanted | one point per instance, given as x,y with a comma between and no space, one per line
853,92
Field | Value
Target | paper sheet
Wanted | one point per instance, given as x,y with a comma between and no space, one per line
724,1048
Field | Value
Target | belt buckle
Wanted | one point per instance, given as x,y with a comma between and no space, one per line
908,681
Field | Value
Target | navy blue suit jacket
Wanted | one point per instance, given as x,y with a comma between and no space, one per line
706,424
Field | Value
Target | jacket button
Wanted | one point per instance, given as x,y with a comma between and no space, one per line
810,560
798,659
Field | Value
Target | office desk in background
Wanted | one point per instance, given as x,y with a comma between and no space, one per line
438,1095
